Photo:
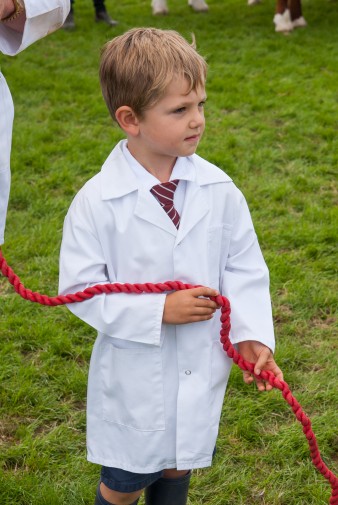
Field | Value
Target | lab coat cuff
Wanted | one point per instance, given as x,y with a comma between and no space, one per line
159,318
244,338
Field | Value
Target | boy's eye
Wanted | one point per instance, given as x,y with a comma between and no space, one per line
178,111
202,104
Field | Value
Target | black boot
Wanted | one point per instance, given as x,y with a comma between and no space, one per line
168,491
99,500
103,16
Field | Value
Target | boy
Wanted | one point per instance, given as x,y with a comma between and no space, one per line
157,211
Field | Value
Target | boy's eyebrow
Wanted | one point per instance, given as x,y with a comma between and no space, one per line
187,102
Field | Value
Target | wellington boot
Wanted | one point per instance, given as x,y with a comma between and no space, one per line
168,491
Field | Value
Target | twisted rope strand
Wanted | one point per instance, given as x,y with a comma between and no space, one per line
148,287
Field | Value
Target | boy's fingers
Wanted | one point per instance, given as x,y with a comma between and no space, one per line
260,385
247,377
262,360
204,291
203,302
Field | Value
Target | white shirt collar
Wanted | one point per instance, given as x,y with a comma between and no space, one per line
184,169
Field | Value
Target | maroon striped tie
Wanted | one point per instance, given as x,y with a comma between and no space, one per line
164,193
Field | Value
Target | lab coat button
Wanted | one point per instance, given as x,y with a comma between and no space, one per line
187,372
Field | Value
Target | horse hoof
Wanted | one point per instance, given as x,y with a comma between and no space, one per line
299,23
160,7
198,5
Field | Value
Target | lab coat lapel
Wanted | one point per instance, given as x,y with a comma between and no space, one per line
195,208
118,180
149,209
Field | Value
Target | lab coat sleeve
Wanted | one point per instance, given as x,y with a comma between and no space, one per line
6,122
42,17
246,283
133,317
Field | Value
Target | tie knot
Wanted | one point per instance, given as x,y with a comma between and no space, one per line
164,193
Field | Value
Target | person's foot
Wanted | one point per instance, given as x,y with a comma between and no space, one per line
254,2
69,22
103,17
198,5
159,7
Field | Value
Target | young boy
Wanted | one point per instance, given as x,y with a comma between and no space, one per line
158,372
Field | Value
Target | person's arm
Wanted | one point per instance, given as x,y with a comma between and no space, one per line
246,284
133,317
13,14
38,19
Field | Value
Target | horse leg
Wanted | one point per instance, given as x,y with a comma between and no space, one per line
282,17
296,14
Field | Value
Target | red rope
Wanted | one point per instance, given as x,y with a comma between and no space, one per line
88,293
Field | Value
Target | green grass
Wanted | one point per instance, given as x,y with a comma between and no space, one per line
272,126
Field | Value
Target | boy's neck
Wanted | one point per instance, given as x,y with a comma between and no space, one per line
159,166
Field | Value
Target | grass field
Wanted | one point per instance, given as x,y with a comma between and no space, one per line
272,125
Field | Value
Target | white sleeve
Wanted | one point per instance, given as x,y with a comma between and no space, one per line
6,122
134,317
246,284
42,17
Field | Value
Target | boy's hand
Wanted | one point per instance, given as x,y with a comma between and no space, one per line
7,8
186,306
261,355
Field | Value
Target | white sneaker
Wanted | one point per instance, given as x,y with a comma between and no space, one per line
283,22
159,7
254,2
299,23
198,5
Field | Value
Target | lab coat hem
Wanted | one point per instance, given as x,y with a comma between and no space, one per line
182,465
131,468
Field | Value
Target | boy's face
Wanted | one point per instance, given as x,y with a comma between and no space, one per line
172,127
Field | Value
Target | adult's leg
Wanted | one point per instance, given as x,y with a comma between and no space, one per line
101,14
171,489
99,5
69,21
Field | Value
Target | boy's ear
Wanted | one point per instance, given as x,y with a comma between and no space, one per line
127,119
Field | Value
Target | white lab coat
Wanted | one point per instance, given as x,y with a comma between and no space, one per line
43,17
155,391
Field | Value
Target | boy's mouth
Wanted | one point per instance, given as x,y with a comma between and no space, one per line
193,138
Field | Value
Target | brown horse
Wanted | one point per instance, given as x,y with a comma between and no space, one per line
288,15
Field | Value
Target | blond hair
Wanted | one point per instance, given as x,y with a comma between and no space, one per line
137,67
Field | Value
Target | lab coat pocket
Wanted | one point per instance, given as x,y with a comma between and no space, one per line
218,249
133,387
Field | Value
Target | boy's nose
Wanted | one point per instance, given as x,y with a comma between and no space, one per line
197,119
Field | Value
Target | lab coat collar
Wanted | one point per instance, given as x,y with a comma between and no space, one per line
119,180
